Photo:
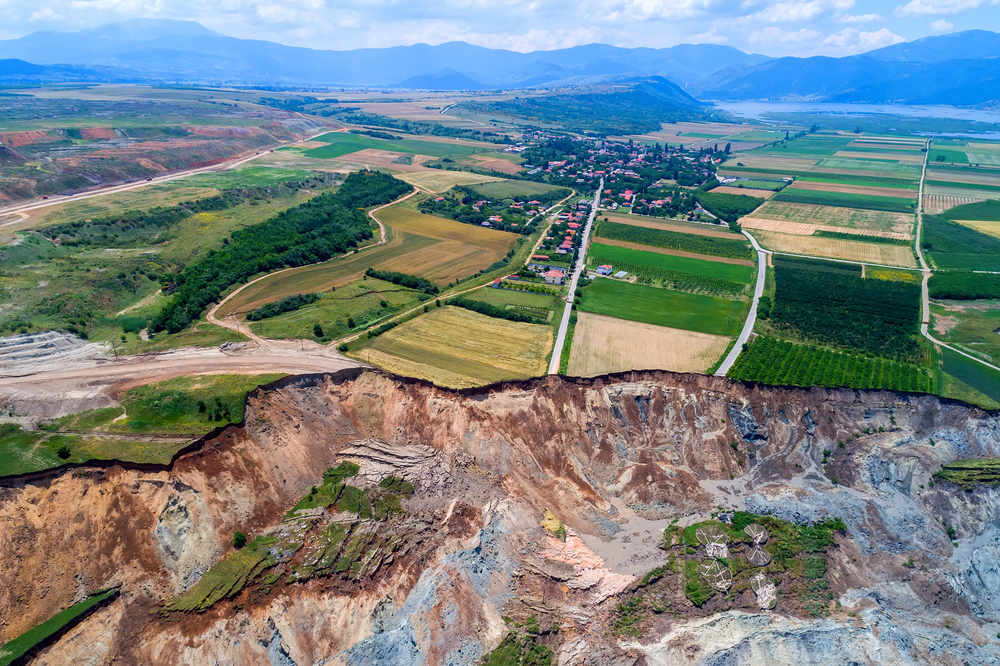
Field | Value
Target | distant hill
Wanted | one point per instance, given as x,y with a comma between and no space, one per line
186,51
631,106
959,69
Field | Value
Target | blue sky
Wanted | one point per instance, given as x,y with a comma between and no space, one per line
771,27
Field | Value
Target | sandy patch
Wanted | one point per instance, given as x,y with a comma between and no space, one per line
602,345
943,324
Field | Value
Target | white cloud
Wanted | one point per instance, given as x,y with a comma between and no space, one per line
710,37
772,35
860,18
924,7
850,40
45,15
942,26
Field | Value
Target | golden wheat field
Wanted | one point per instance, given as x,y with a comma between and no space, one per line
602,345
988,228
851,218
834,248
457,348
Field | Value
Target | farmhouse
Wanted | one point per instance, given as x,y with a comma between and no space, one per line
554,277
604,270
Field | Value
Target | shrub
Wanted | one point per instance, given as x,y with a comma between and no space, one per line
239,539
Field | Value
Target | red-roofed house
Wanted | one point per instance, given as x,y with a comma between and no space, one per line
554,277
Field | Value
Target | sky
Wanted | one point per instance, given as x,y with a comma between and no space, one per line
770,27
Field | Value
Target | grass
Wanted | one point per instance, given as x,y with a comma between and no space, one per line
458,348
683,242
981,211
537,304
507,189
971,473
946,155
227,577
808,146
344,143
846,200
359,301
708,269
187,405
17,648
982,380
662,307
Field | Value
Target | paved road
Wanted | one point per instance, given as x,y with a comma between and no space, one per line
752,317
564,325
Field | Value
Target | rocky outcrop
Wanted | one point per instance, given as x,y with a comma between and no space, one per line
486,466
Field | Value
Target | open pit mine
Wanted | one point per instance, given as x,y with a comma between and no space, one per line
645,518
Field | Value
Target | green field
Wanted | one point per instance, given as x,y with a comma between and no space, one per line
981,211
781,363
662,307
243,176
15,649
946,155
770,185
534,304
807,146
983,382
671,240
888,169
344,143
846,200
506,189
359,302
970,327
690,265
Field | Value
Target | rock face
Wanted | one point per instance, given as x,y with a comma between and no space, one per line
486,466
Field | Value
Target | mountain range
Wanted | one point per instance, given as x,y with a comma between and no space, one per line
959,68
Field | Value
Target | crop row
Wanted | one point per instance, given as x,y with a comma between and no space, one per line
772,361
848,200
825,177
674,279
671,240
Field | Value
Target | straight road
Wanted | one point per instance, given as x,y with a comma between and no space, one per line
564,324
752,317
925,319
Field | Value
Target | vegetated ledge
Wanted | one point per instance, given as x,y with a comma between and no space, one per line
29,652
969,474
666,377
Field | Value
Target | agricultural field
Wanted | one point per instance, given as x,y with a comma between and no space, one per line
835,248
825,216
731,248
762,194
439,180
782,363
833,305
339,144
457,348
967,380
506,189
892,204
431,247
662,307
674,272
356,305
679,226
819,186
603,345
809,146
970,326
989,228
539,305
950,245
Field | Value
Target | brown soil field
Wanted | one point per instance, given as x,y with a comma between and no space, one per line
832,248
901,158
855,189
845,218
676,253
458,348
761,194
938,203
603,345
800,229
988,228
671,225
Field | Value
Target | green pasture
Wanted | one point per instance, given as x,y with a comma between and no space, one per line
975,383
663,307
508,189
986,211
243,176
847,200
360,301
949,156
344,143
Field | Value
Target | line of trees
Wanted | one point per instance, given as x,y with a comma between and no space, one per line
404,280
287,304
491,310
324,227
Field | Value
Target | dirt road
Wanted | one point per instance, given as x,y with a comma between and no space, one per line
21,208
